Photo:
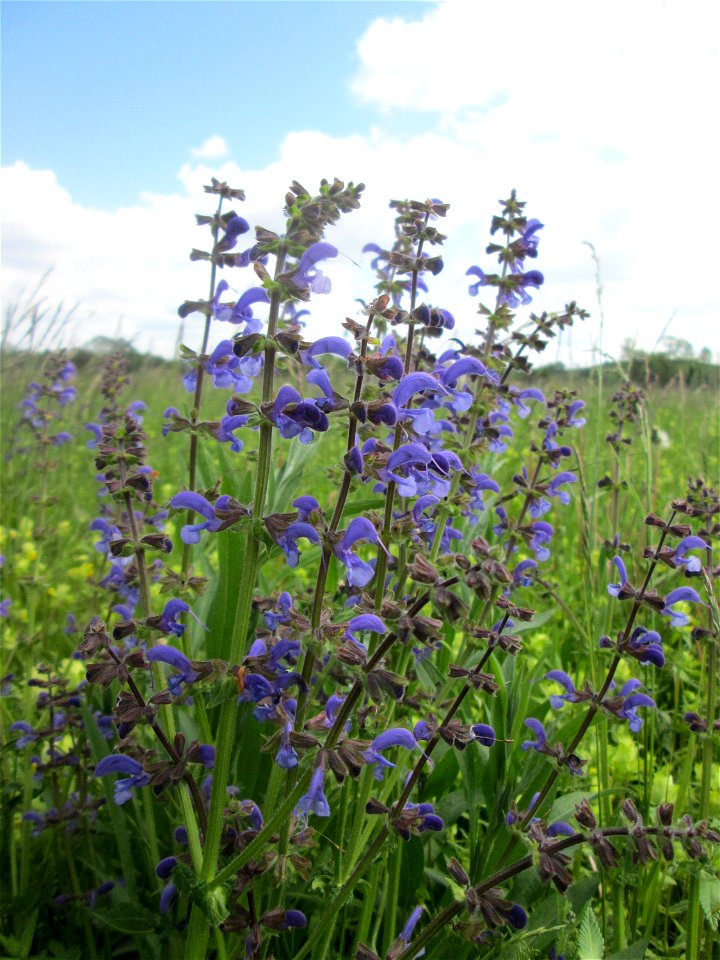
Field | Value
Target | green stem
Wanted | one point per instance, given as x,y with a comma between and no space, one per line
197,399
596,702
383,548
330,913
324,568
695,917
392,890
198,932
498,879
256,846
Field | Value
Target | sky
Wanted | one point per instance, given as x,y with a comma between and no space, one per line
114,115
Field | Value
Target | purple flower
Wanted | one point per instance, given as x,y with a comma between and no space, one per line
409,928
305,505
165,867
335,345
353,461
379,254
467,366
574,407
29,735
413,383
425,819
167,897
283,605
205,755
481,281
390,369
615,588
484,734
118,763
628,708
441,319
293,918
680,595
289,538
513,815
557,701
560,829
168,619
334,702
480,483
225,433
520,577
286,757
691,564
359,572
646,647
366,621
559,480
164,653
306,274
187,500
234,228
526,245
530,394
294,416
395,737
513,288
406,458
540,741
541,535
96,431
314,800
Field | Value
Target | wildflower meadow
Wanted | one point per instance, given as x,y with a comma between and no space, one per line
383,644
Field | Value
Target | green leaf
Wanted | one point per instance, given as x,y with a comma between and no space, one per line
564,806
429,675
537,621
129,919
452,806
99,749
591,945
580,893
710,899
226,689
286,482
636,951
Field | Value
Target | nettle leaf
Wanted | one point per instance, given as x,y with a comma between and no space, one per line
710,900
591,945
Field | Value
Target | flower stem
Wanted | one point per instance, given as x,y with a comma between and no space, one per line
197,398
695,918
225,737
323,570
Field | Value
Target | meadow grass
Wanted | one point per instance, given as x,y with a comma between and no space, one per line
306,586
52,573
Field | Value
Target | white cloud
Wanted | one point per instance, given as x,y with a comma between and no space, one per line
211,149
601,124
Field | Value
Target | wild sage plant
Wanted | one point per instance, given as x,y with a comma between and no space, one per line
347,657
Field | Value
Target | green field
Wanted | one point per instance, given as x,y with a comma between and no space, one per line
52,571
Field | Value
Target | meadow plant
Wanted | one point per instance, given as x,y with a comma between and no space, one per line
310,724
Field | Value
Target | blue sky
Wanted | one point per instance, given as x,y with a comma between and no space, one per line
111,95
114,114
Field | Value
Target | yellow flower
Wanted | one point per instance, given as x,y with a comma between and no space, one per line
82,571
